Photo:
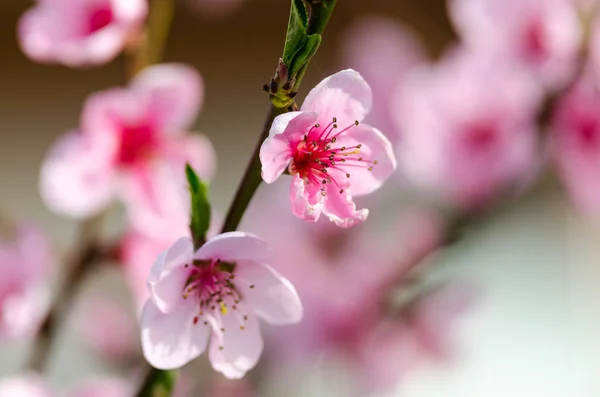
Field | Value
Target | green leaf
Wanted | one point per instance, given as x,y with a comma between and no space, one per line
296,33
200,216
158,383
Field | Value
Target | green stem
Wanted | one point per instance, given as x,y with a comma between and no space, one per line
158,383
319,13
251,179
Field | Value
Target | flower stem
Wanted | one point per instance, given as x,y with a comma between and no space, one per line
251,179
80,265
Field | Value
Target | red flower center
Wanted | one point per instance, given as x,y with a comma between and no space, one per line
320,158
99,18
137,142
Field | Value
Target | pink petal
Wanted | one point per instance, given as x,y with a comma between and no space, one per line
25,385
233,246
374,146
241,349
76,180
344,95
341,210
168,275
286,132
273,297
171,340
305,200
195,149
105,113
23,312
173,95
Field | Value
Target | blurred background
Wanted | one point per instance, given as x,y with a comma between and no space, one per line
532,324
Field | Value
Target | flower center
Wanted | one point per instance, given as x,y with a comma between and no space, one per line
137,141
211,284
534,44
321,158
99,18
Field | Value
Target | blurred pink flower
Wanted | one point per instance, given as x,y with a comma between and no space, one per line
384,52
125,135
343,278
329,165
576,144
469,130
223,288
79,32
119,342
231,388
545,35
24,385
25,264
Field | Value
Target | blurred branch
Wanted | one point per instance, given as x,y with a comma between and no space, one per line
78,267
150,48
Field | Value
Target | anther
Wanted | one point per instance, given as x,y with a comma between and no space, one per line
333,139
343,148
242,327
335,119
375,162
347,175
323,194
359,146
195,320
317,125
245,318
222,329
251,285
220,347
331,157
355,122
341,191
206,323
324,181
370,168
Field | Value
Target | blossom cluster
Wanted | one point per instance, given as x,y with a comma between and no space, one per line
515,95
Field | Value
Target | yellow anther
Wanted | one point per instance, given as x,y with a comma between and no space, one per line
223,307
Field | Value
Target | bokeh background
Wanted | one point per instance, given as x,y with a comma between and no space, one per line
533,330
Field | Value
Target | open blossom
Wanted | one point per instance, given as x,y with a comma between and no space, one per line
221,289
544,35
329,153
576,144
125,134
469,131
79,32
25,263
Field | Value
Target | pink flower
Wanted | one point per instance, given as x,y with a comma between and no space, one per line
576,145
329,164
545,35
79,32
25,264
469,131
125,135
384,52
221,289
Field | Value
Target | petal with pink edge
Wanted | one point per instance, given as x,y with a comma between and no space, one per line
171,340
173,94
168,275
74,180
344,95
305,200
374,147
195,149
341,210
233,246
272,296
286,132
235,351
